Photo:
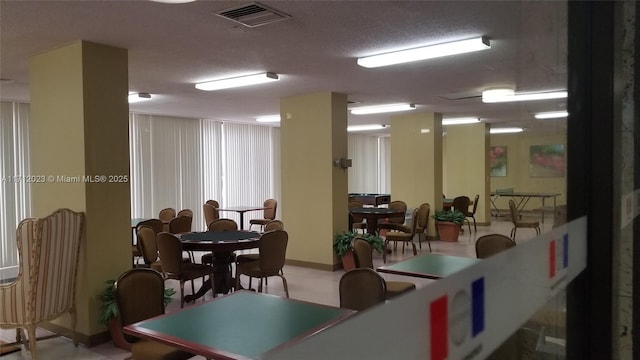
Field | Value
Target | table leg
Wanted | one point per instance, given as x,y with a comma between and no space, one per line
543,209
222,277
372,225
241,220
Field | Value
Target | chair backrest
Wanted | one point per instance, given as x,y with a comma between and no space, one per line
213,203
180,224
273,251
398,205
559,215
363,253
514,211
488,245
423,216
185,212
361,289
475,204
211,213
147,240
461,203
139,294
271,207
356,218
167,214
223,225
156,224
414,221
274,225
170,251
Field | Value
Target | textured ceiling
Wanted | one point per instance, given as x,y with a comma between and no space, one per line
172,46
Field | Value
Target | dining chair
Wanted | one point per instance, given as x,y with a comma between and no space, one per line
517,223
210,214
472,214
423,224
364,259
271,260
269,213
270,226
405,234
491,244
361,288
461,204
180,224
213,203
223,224
149,247
157,226
356,221
167,214
173,266
395,223
185,212
274,225
139,295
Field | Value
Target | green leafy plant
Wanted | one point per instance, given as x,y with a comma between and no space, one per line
453,216
110,307
343,241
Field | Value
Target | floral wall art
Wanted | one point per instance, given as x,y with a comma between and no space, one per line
498,160
546,160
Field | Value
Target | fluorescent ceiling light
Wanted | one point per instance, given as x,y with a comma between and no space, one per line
506,95
426,52
173,1
551,115
268,118
505,130
365,127
138,97
460,121
238,81
382,109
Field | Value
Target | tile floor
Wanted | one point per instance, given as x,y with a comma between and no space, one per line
322,289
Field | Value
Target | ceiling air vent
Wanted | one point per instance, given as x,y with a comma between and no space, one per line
253,14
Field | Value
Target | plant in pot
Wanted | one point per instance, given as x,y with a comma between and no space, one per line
109,315
448,223
342,245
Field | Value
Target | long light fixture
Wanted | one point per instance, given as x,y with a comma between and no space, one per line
506,130
268,118
238,81
138,97
426,52
551,115
460,121
382,109
507,95
366,127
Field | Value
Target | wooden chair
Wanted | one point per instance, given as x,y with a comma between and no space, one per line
361,289
364,259
45,289
472,214
210,214
423,224
167,214
213,203
461,204
491,244
273,249
274,225
356,221
139,294
173,266
149,247
405,234
219,225
270,226
185,212
180,224
269,213
395,223
157,226
520,224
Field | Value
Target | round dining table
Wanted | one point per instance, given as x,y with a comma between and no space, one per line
221,244
372,214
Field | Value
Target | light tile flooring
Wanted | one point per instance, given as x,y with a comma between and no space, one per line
304,284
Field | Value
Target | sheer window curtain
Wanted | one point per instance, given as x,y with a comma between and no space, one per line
15,192
369,172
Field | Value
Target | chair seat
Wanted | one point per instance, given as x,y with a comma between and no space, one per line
395,227
247,258
395,288
259,221
152,350
399,236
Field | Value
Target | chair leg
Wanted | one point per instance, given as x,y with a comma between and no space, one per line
181,294
213,285
31,333
415,251
420,239
384,251
284,284
475,228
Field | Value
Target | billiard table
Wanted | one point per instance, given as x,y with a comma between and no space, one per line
371,199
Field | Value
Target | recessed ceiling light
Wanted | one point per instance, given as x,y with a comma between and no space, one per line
382,109
506,130
551,115
238,81
460,121
507,95
365,127
138,97
426,52
268,118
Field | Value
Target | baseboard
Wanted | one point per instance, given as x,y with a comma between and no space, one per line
314,265
84,339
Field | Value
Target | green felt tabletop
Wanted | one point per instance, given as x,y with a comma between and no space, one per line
431,266
244,323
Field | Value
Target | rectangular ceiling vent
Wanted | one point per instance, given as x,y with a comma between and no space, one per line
253,14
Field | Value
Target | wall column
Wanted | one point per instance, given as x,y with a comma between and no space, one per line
313,131
79,127
416,161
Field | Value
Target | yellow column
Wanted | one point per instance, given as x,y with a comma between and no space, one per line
416,161
467,165
313,133
78,128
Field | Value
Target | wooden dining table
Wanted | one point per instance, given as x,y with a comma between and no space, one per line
429,266
373,214
221,244
241,210
242,325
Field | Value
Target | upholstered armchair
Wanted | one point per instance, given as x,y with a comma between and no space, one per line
48,250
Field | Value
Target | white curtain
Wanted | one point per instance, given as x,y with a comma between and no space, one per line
370,158
384,170
15,191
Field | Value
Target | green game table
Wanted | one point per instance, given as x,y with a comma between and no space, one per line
430,266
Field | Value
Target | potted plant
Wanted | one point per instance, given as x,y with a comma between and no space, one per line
109,315
448,223
342,245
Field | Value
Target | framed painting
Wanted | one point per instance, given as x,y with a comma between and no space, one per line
498,160
546,160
